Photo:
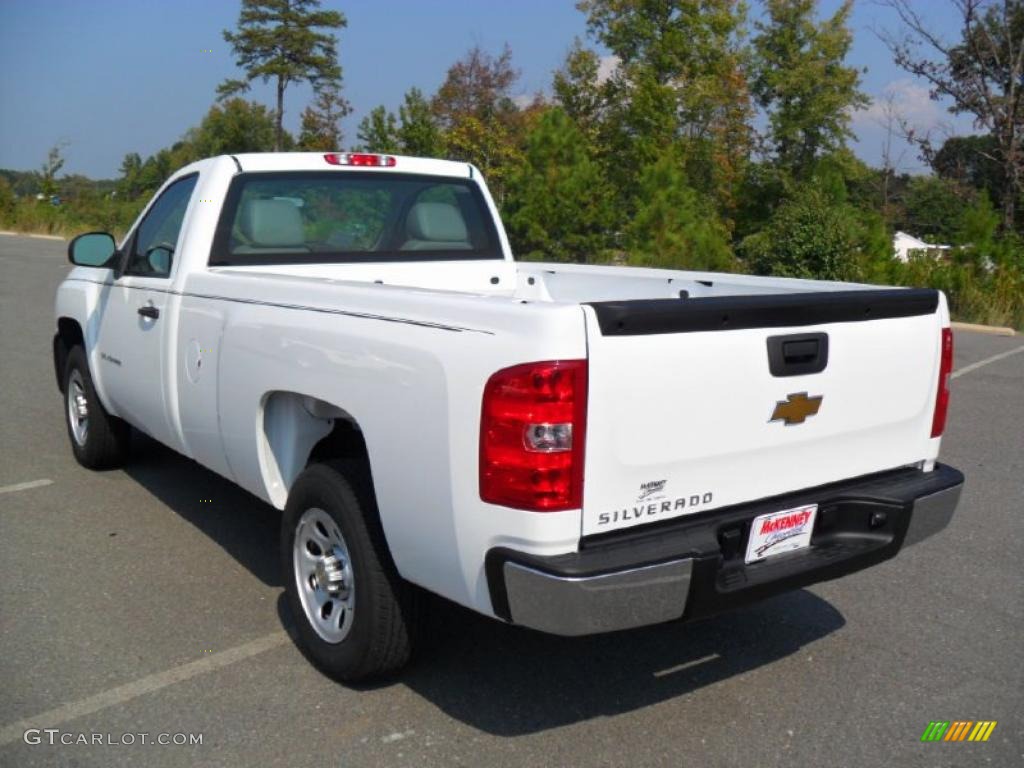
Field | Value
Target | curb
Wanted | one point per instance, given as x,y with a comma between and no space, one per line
991,330
37,237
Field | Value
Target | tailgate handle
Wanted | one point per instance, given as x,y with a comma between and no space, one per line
797,354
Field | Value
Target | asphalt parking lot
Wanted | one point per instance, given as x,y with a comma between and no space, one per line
148,600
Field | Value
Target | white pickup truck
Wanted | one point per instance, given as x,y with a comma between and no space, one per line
576,449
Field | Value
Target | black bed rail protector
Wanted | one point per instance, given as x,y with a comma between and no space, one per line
643,317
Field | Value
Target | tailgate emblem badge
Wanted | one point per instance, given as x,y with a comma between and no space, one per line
796,408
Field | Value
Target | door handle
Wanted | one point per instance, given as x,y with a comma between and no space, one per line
797,354
149,311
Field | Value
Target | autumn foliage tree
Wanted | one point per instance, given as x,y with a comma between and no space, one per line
474,108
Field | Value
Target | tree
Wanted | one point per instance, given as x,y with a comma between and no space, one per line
933,208
809,236
278,40
674,225
679,80
579,92
970,161
418,132
229,128
129,186
321,121
475,110
8,201
559,205
800,80
50,169
982,74
377,132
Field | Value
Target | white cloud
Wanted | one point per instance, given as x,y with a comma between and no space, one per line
911,102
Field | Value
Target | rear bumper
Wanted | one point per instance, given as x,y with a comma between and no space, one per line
694,566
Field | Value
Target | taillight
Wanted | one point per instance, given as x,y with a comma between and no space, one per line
362,159
942,397
532,429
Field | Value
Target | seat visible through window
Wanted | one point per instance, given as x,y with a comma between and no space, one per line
271,225
434,226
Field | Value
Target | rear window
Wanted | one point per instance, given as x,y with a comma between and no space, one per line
325,217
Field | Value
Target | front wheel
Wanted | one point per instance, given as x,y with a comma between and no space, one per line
354,614
98,440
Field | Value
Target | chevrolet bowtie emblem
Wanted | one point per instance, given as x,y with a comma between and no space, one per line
796,408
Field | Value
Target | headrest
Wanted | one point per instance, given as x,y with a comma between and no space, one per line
439,222
272,223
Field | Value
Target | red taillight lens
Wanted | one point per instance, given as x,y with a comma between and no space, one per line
945,369
360,159
532,430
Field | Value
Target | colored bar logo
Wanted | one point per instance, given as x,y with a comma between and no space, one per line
958,730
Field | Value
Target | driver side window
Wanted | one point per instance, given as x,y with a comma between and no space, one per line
152,248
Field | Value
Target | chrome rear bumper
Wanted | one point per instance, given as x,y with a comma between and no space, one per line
695,566
591,604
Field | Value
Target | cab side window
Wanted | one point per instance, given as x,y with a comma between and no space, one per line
151,252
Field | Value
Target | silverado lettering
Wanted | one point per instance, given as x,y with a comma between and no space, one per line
637,512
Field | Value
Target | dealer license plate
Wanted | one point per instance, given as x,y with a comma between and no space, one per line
779,532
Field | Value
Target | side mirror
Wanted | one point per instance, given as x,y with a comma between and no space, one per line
93,249
159,258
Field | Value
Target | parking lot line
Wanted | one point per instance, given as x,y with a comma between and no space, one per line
25,486
122,693
986,361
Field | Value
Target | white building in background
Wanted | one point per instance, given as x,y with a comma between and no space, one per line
904,246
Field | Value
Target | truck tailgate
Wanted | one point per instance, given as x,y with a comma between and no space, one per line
685,413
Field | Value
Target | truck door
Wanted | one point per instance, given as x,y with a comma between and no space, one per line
134,325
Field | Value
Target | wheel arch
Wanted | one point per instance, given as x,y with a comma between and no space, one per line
69,335
295,430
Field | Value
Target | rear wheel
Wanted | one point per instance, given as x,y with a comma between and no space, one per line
98,440
354,614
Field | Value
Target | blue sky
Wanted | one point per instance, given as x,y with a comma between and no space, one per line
116,76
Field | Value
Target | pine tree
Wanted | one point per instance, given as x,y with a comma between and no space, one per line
418,132
559,204
321,120
278,40
377,132
674,225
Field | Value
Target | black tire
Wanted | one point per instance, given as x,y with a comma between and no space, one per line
380,638
108,438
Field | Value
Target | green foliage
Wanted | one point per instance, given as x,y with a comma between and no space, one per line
7,200
809,236
321,120
377,132
674,225
559,204
680,86
578,91
279,40
230,128
800,79
933,208
418,132
54,162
